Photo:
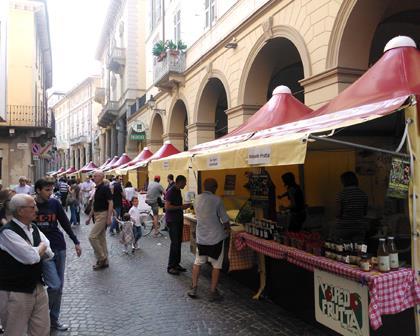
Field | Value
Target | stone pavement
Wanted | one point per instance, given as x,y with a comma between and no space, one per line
135,296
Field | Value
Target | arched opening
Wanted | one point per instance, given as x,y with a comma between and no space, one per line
277,63
156,131
367,26
177,130
212,107
406,22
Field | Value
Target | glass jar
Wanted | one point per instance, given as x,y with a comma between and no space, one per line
365,262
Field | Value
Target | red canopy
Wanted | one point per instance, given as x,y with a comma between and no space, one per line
122,160
143,155
383,89
58,171
69,171
88,168
110,163
281,109
166,150
105,163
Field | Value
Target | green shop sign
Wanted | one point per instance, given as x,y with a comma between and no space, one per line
138,136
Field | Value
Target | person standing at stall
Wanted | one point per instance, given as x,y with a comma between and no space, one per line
297,202
212,229
352,203
175,222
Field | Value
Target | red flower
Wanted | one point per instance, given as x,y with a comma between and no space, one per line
355,303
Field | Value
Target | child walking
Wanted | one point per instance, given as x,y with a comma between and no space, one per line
137,215
127,236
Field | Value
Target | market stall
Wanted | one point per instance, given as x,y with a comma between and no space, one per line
55,173
372,129
111,168
134,176
69,171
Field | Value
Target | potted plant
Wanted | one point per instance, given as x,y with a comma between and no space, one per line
159,50
172,48
181,46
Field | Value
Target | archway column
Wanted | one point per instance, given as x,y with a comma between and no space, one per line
108,144
323,87
154,145
176,139
199,133
102,146
239,114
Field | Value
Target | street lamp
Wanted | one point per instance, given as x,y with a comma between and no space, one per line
151,102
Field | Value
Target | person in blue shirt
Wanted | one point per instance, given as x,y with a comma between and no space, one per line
50,214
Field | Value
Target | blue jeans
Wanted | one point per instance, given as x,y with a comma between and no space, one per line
114,224
137,233
74,218
53,271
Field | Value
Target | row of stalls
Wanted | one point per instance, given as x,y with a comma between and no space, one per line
372,129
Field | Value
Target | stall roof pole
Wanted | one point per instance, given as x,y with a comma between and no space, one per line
351,144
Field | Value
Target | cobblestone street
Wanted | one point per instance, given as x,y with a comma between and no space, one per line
135,296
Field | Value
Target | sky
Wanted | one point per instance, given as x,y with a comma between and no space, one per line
75,28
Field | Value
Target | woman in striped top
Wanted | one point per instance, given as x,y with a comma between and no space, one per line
352,203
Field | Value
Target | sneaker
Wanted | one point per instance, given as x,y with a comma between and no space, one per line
59,326
125,251
215,296
180,268
192,293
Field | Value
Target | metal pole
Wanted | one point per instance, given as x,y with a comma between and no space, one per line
351,144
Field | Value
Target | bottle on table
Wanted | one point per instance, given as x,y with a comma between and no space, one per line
383,256
393,254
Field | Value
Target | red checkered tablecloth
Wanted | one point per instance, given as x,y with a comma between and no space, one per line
389,293
244,259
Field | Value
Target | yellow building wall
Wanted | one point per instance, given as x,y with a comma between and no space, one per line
21,58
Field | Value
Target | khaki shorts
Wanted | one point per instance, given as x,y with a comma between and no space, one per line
155,208
216,263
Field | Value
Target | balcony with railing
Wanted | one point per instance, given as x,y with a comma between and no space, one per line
116,60
28,116
169,70
108,114
99,95
78,140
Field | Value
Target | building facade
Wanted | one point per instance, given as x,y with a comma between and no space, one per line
239,51
121,51
76,117
26,129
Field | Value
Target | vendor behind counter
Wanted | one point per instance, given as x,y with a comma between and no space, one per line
352,204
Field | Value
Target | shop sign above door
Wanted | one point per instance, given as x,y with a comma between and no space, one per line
138,136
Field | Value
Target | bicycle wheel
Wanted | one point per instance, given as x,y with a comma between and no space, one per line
148,225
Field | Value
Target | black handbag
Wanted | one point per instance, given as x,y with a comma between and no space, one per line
160,202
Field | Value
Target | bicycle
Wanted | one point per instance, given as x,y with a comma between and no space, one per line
148,223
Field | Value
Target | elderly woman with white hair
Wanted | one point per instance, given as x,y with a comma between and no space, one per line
22,247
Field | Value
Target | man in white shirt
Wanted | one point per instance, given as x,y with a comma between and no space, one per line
212,229
22,247
86,188
23,188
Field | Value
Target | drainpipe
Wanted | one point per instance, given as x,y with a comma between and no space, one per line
163,20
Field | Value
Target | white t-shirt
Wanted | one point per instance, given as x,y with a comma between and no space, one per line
137,215
23,190
87,186
129,193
